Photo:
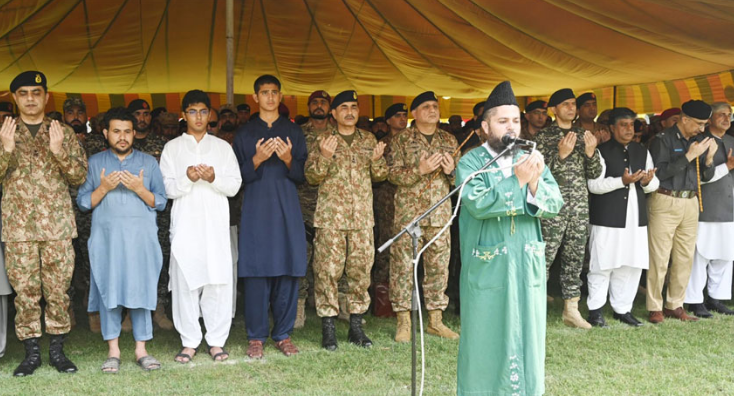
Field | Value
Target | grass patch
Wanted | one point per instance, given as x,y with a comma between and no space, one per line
674,358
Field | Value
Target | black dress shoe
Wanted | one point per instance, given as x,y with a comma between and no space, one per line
32,359
628,319
700,311
596,319
328,334
356,335
56,355
718,306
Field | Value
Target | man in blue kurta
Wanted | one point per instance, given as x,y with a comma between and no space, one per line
503,303
124,189
271,151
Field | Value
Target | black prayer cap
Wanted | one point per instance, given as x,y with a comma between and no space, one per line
138,104
243,107
422,98
583,98
6,106
501,95
538,104
343,97
697,109
30,78
619,113
560,96
395,109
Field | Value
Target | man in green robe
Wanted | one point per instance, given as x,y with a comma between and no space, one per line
503,286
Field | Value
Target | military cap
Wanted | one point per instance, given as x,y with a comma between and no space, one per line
243,107
560,96
395,108
501,95
227,108
74,101
378,119
138,104
30,78
583,98
669,113
343,97
6,106
697,109
538,104
476,109
319,94
422,98
168,119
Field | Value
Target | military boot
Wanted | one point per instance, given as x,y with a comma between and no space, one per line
356,335
328,333
343,311
159,317
300,314
436,326
57,357
571,315
32,359
403,332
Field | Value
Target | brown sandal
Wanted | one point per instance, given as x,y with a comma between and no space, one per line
286,346
255,349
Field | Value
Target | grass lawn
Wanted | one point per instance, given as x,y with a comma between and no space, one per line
674,358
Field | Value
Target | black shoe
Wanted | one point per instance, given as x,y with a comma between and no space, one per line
718,306
356,334
57,357
596,319
32,359
328,334
700,311
628,319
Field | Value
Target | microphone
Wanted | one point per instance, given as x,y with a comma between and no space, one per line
509,139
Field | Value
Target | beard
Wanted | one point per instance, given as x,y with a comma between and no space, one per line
495,143
227,127
123,151
78,128
318,116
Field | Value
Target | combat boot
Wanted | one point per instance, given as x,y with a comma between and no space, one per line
343,311
436,326
571,315
356,335
56,355
403,332
300,314
328,333
159,317
32,359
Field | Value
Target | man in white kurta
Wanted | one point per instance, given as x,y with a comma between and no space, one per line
712,262
618,238
200,171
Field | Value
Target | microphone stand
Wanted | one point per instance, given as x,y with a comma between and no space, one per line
413,229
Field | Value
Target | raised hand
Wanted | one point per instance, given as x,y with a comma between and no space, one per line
192,174
264,149
205,172
429,164
56,135
378,151
647,178
590,143
283,149
629,178
447,163
7,134
566,145
729,161
328,146
132,182
697,148
110,181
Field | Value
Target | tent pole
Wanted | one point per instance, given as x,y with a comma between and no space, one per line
614,97
230,52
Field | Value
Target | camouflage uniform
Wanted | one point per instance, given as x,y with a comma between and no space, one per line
38,222
344,241
384,208
404,158
153,145
569,229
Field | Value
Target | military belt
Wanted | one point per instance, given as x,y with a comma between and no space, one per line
677,194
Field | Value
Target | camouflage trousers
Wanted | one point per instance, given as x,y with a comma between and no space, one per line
384,209
305,283
567,232
80,279
336,253
164,238
435,268
35,270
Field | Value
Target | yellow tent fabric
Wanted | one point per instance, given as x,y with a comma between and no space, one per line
458,48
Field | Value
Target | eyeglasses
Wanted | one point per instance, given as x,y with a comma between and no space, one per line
212,124
193,113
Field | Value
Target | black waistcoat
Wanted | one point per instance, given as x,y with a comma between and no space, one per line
610,209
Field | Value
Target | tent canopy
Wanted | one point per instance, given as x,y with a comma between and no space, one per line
458,48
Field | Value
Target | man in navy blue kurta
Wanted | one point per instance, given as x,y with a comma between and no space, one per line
271,151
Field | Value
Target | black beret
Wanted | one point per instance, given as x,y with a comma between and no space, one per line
378,119
501,95
476,108
6,106
424,97
30,78
697,109
243,106
560,96
619,113
395,109
538,104
583,98
138,104
343,97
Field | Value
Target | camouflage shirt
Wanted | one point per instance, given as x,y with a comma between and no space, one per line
404,158
345,181
307,193
36,205
152,144
572,172
95,143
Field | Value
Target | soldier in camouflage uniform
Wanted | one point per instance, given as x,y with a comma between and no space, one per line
40,158
151,143
344,162
570,153
415,155
587,112
396,117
